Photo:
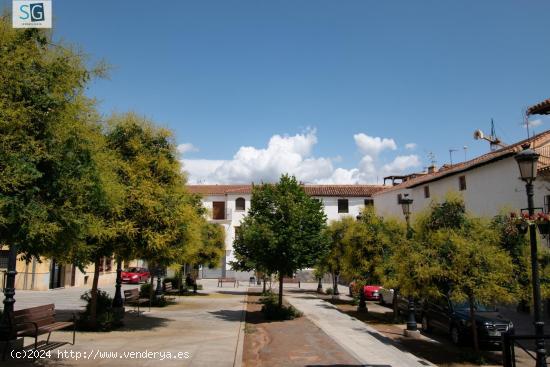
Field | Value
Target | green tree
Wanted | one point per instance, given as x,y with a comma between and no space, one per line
333,259
166,218
282,232
467,260
47,147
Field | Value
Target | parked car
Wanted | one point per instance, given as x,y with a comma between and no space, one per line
453,319
135,275
371,291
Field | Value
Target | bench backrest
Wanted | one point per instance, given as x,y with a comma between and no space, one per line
290,280
131,294
168,286
228,279
41,315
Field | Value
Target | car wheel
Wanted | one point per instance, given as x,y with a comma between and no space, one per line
455,336
425,324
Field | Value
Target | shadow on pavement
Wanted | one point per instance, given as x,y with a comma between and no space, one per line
228,315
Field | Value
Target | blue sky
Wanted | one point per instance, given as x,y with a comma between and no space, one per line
230,74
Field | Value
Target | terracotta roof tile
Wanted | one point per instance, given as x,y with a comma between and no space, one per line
542,108
313,190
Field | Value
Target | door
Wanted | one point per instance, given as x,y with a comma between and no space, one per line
218,210
56,274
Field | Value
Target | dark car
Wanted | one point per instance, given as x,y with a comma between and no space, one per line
454,319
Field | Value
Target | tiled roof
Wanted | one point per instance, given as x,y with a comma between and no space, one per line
216,189
542,108
509,150
313,190
342,190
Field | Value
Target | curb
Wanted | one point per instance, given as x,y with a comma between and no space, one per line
238,361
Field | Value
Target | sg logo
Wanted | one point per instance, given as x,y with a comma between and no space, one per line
33,11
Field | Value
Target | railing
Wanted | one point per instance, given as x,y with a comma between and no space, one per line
228,215
509,344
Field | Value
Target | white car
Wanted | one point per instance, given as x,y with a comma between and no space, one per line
386,296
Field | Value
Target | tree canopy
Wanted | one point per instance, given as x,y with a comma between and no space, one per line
282,232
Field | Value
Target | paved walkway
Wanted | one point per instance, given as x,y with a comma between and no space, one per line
362,341
208,327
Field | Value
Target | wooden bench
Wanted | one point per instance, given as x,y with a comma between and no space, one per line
132,298
292,281
35,321
228,280
169,290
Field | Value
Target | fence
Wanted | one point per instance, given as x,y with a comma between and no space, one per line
509,344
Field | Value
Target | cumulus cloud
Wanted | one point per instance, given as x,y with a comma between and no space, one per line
410,146
533,123
293,155
372,146
186,147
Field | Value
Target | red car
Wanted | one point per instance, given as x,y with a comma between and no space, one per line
372,292
135,275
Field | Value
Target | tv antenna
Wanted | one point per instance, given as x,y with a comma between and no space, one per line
451,151
494,142
465,152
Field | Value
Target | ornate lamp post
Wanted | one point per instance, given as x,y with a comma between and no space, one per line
118,303
412,329
9,293
527,161
362,307
158,290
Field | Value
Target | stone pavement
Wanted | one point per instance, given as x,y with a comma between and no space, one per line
363,342
209,327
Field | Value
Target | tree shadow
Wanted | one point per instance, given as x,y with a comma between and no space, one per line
235,293
228,315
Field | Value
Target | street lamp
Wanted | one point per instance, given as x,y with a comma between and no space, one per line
406,202
527,161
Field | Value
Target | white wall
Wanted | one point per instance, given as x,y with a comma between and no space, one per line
234,218
489,188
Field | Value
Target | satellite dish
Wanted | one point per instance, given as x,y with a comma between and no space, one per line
478,134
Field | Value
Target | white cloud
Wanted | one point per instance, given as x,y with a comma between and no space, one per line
402,163
410,146
293,155
533,123
373,145
186,147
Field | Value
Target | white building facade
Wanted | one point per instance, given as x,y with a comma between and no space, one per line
227,205
489,184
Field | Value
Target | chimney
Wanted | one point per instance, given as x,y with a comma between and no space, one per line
432,168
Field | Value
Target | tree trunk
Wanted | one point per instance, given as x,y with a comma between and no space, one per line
473,324
395,304
93,300
280,290
264,281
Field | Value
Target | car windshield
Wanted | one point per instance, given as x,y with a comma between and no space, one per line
465,306
132,270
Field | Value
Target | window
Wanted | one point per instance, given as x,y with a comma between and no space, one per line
369,202
426,191
462,183
240,204
399,197
343,206
546,204
218,210
4,259
237,231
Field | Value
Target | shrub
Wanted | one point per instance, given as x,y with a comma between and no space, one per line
272,311
329,291
105,316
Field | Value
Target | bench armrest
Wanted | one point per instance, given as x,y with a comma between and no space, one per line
29,322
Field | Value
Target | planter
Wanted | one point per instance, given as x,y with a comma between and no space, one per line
522,227
544,228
